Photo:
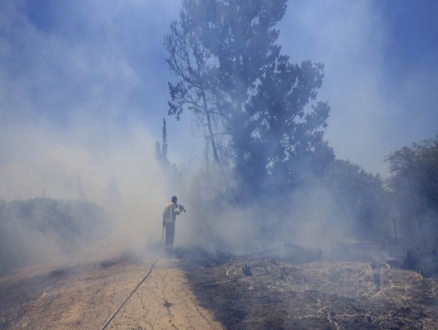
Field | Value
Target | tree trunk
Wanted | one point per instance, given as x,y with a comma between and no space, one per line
210,129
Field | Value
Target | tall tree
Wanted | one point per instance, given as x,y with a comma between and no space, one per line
171,170
231,71
81,190
161,151
189,60
286,138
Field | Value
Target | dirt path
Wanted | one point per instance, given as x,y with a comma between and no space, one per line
84,297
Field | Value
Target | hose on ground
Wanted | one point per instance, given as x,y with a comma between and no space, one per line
138,285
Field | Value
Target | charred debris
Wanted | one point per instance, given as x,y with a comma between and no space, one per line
294,287
375,255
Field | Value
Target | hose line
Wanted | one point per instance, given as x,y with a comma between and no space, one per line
138,285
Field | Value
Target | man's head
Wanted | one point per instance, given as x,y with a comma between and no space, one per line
174,199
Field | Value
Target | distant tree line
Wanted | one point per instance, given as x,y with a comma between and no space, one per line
414,189
32,230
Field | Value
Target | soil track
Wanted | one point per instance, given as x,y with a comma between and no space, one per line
85,296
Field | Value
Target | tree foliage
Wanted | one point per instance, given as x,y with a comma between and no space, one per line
414,181
232,75
161,151
189,60
170,170
360,197
33,230
418,167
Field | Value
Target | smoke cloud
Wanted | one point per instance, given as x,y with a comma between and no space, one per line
80,113
381,98
83,90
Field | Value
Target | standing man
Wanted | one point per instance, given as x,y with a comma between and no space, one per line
169,217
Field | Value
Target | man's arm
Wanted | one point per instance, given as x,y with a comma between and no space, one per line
176,209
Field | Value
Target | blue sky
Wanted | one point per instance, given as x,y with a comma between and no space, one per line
89,73
381,71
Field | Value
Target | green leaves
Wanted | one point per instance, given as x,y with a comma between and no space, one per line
418,166
232,76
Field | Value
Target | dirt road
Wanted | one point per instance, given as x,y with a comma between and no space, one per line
85,296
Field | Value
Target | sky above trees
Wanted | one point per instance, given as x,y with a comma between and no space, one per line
88,71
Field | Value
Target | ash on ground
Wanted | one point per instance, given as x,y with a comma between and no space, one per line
260,291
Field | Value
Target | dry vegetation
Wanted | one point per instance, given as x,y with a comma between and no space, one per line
266,293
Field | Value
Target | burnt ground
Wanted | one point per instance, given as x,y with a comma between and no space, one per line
249,292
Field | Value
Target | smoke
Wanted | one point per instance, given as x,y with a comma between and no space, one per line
120,174
83,89
95,56
316,220
309,216
80,112
379,93
373,112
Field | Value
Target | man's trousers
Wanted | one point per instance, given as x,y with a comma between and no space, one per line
170,233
